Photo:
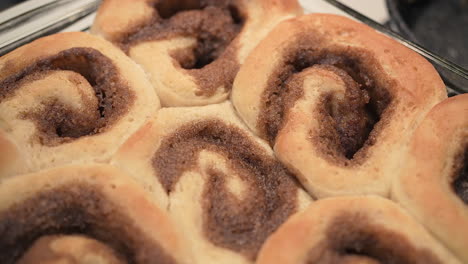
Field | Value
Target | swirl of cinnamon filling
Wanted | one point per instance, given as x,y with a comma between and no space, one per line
66,97
191,48
221,184
354,229
337,101
433,183
57,123
78,215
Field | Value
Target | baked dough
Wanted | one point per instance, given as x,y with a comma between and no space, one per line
433,184
220,183
84,214
190,49
355,229
68,98
337,100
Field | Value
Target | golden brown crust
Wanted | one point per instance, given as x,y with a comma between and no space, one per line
69,249
69,97
426,184
216,179
117,17
337,100
176,84
97,202
10,157
356,229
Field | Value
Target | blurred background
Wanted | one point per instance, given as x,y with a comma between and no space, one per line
7,3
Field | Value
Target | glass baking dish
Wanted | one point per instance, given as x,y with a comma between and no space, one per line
23,21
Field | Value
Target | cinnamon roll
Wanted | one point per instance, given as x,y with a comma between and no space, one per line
191,49
84,214
337,100
69,97
221,184
354,229
433,184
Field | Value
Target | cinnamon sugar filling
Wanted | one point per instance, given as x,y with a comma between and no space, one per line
353,238
75,209
238,225
460,183
348,125
58,123
213,23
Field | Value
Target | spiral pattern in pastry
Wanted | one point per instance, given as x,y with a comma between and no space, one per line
354,229
84,214
69,97
221,184
191,49
433,184
337,100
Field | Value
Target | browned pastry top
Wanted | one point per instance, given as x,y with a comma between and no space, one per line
336,100
214,23
223,185
192,49
74,209
68,98
59,123
351,230
43,251
354,238
432,183
240,225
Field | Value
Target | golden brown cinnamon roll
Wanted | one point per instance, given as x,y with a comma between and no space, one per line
77,214
337,100
221,184
191,49
355,229
433,184
69,97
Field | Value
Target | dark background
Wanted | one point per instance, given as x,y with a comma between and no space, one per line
7,3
